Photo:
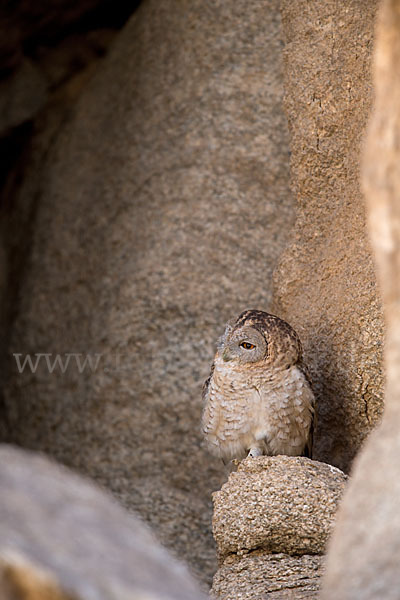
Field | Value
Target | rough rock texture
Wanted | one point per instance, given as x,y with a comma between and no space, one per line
364,555
272,576
57,77
271,523
282,504
160,213
62,537
325,284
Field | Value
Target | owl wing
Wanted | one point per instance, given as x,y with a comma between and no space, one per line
308,448
305,370
309,444
206,384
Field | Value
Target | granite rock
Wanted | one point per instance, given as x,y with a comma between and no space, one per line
272,576
271,523
325,286
160,208
364,553
280,504
64,538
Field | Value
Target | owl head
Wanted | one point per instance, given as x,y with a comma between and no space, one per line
256,337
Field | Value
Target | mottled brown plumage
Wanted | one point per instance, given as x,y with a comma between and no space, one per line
258,398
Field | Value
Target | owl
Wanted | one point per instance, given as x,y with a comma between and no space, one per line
258,399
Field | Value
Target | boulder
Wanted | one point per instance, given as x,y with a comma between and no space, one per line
281,504
271,523
63,538
160,208
273,576
364,553
325,285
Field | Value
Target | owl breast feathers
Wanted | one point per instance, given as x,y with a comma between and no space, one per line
258,399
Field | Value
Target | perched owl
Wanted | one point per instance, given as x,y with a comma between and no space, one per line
258,399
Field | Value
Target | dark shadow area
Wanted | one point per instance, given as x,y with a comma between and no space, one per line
26,26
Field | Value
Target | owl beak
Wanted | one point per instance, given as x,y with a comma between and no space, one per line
226,357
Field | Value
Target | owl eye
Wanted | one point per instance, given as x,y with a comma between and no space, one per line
247,346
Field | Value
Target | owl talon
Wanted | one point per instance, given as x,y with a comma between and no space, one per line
253,452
